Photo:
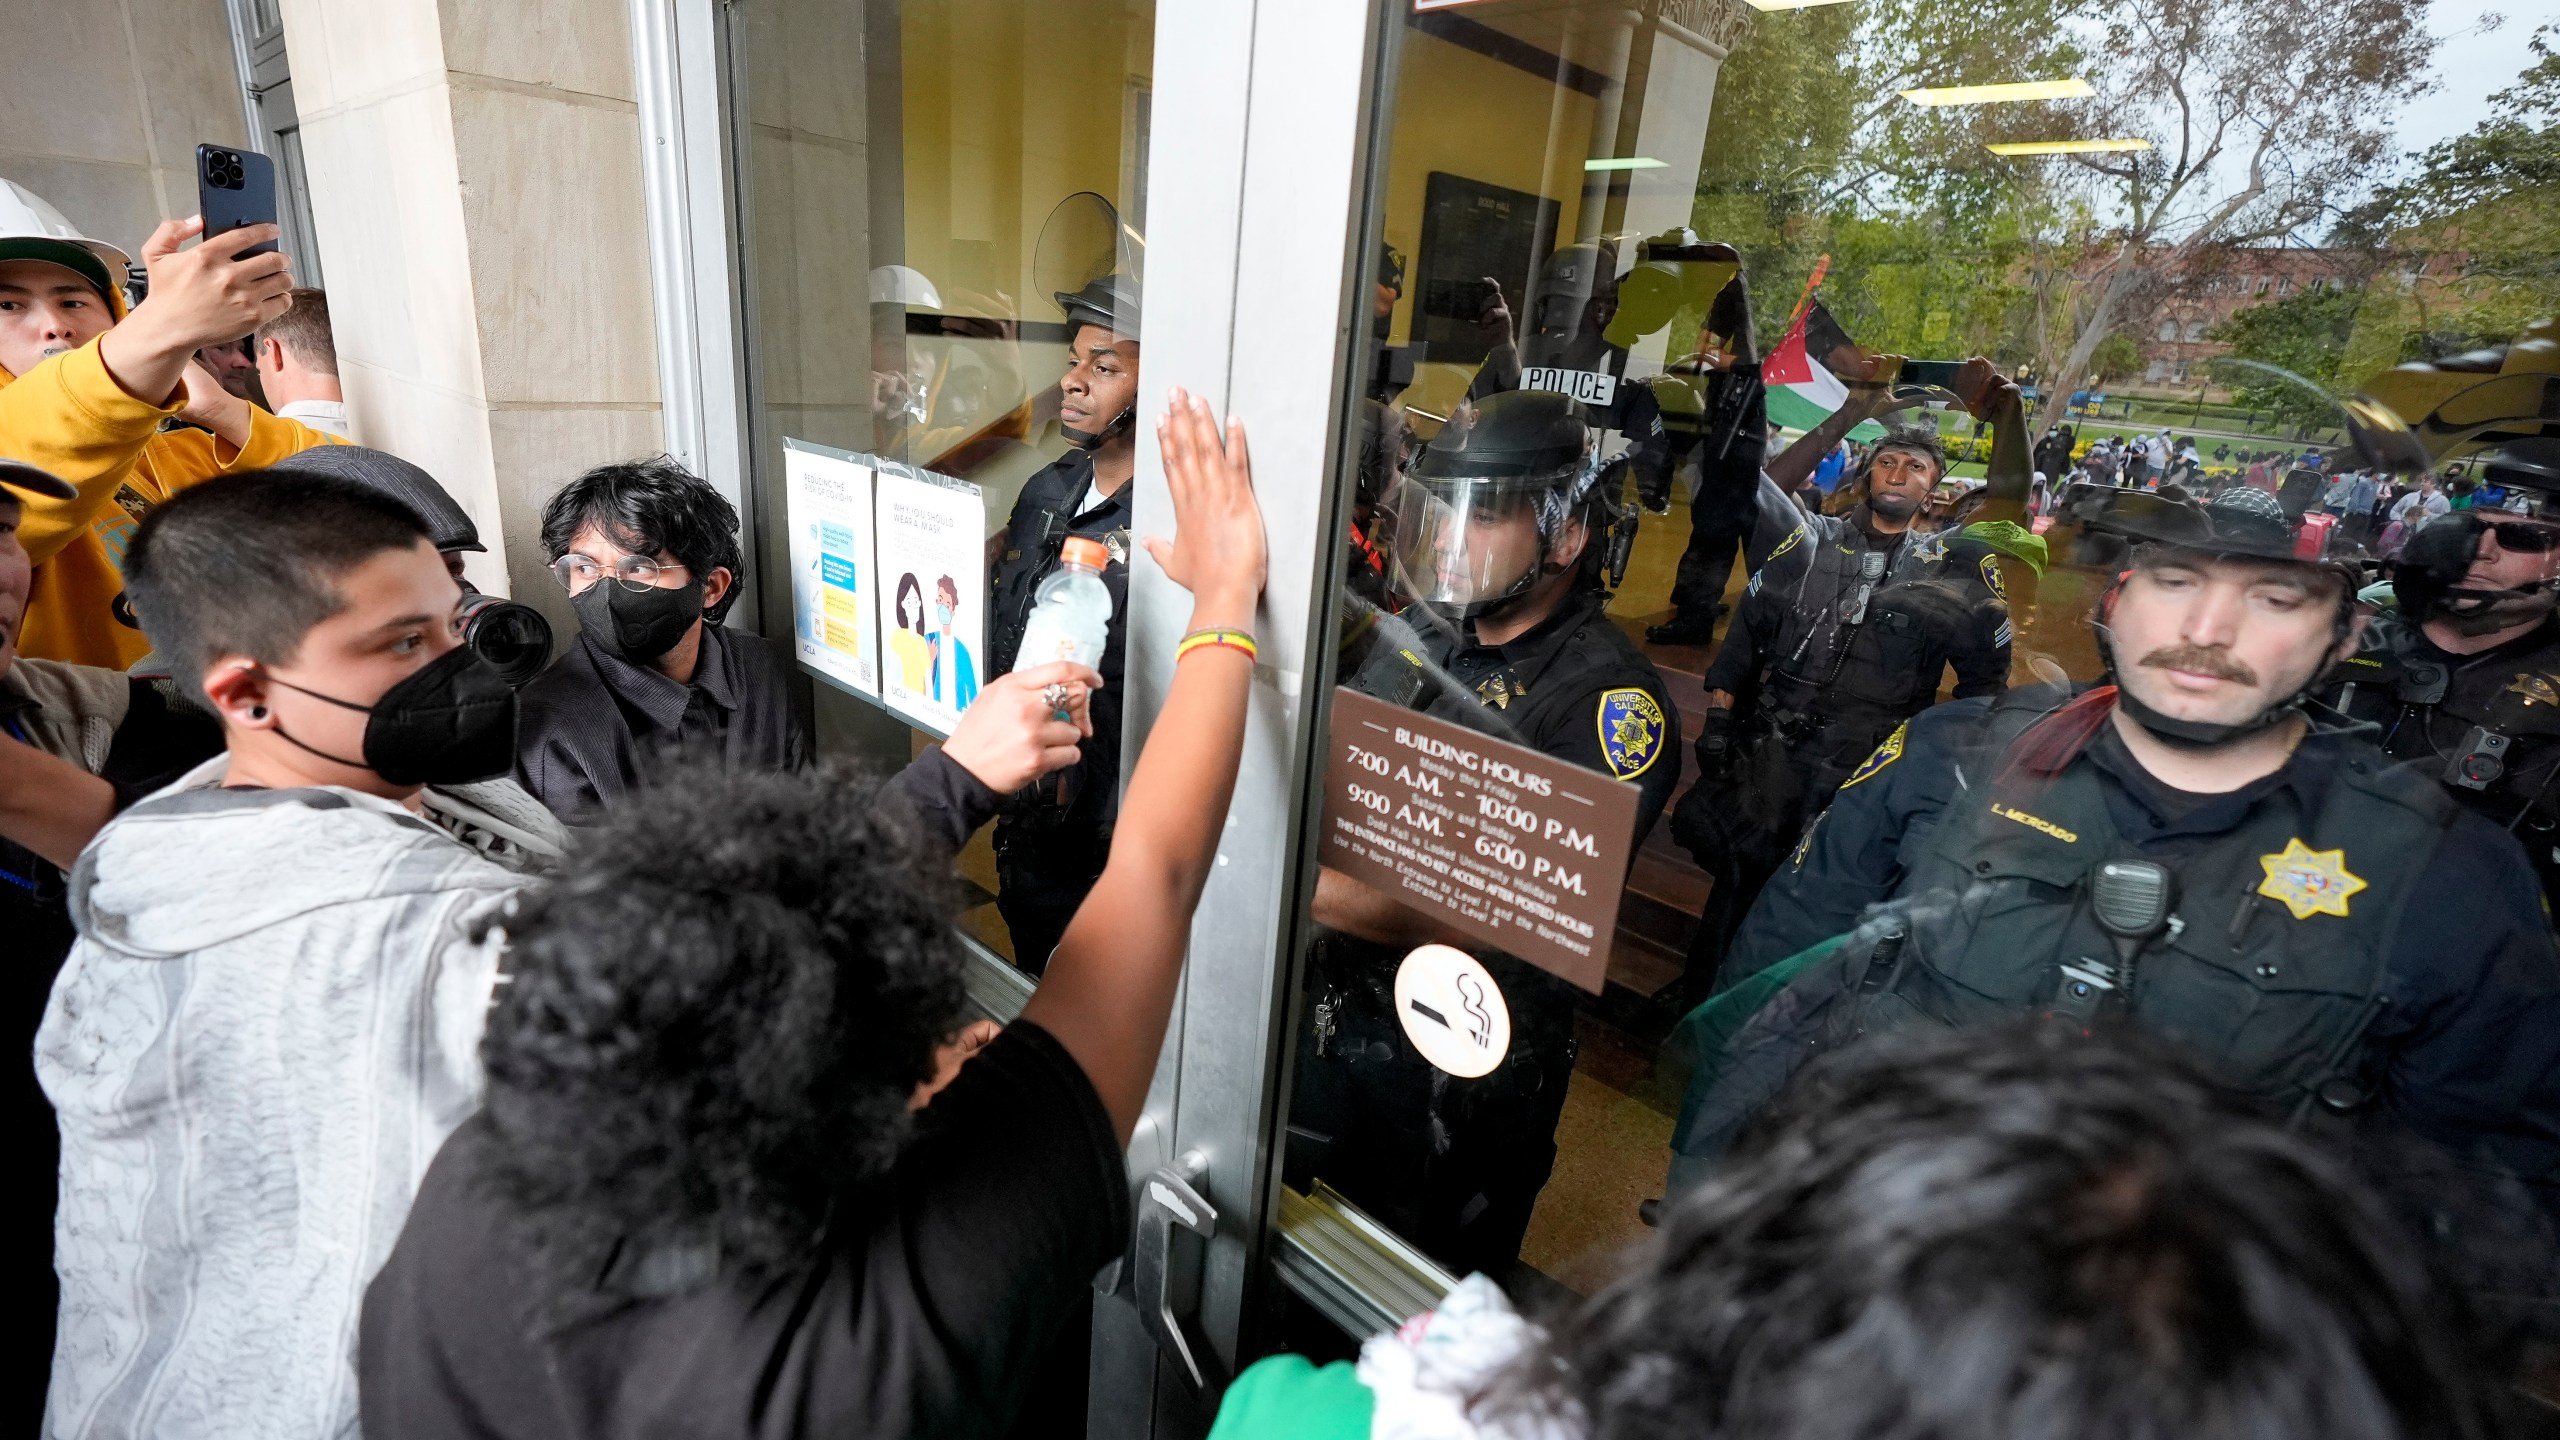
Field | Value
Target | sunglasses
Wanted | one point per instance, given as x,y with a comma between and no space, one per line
2524,536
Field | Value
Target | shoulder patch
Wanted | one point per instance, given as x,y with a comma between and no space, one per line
1631,730
1991,577
1794,538
1886,754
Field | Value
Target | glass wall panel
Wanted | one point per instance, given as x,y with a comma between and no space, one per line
1776,419
921,182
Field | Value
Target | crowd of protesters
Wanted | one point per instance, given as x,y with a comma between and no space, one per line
425,1049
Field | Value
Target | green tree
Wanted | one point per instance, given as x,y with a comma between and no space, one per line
2305,333
2486,203
2264,118
2115,358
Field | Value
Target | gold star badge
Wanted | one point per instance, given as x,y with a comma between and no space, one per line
2536,689
2309,882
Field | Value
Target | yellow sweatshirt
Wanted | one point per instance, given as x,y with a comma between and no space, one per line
70,416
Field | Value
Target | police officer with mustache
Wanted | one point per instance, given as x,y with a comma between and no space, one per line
2190,847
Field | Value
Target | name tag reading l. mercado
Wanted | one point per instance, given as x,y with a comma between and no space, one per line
1521,850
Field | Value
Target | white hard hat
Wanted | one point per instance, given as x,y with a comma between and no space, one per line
31,229
904,285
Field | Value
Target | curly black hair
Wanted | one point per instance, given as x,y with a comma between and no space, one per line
713,1019
2013,1233
646,506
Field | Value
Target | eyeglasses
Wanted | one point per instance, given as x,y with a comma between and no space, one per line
2525,536
576,572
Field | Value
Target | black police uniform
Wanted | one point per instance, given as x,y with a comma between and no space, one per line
2487,724
1456,1165
2347,942
1052,840
1823,661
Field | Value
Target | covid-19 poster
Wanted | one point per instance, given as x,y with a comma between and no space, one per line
888,581
933,588
834,595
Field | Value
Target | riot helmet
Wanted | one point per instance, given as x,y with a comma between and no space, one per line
1482,517
1111,302
1575,297
2239,524
2429,579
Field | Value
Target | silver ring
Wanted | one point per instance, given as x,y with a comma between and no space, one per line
1055,696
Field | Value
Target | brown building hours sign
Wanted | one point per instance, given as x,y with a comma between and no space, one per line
1523,851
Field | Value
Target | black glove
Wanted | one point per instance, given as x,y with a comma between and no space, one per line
1715,741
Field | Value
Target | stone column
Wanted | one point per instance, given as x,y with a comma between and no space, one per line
475,179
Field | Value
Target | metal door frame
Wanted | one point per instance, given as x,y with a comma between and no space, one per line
1255,200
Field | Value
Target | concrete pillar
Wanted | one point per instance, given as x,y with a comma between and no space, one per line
475,178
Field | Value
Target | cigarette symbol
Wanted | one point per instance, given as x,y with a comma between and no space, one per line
1481,1028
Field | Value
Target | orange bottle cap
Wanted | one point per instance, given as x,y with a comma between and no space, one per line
1080,551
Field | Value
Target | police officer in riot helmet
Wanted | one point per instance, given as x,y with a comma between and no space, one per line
1824,659
1492,543
1052,839
2465,678
2192,847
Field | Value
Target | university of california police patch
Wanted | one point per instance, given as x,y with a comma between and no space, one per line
1991,577
1631,730
1886,754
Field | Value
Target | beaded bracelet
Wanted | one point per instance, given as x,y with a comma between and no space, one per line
1207,639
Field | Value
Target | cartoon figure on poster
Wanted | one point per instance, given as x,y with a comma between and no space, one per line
930,533
931,655
955,672
907,642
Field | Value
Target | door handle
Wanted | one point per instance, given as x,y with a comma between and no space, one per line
1164,1269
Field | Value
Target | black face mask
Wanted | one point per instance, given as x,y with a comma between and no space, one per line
637,625
452,722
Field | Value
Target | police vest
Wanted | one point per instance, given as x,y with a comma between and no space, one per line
1852,672
2272,969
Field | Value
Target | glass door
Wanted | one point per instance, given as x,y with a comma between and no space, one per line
1654,299
971,263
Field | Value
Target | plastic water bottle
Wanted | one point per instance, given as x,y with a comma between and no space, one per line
1071,611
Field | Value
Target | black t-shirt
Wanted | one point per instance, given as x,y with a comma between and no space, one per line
923,1316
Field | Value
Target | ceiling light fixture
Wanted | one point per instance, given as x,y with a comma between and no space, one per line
1624,162
2069,147
2072,89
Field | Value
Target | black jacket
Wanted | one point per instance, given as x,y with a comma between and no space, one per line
589,728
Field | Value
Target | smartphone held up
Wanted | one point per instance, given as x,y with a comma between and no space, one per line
235,188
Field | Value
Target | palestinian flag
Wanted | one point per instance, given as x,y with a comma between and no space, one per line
1802,394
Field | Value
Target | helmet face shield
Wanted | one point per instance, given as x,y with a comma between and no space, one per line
1464,545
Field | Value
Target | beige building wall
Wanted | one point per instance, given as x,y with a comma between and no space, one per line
475,179
103,102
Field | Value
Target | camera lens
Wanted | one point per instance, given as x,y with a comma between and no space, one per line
513,637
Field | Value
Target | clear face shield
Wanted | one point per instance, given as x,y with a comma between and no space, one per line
1465,546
